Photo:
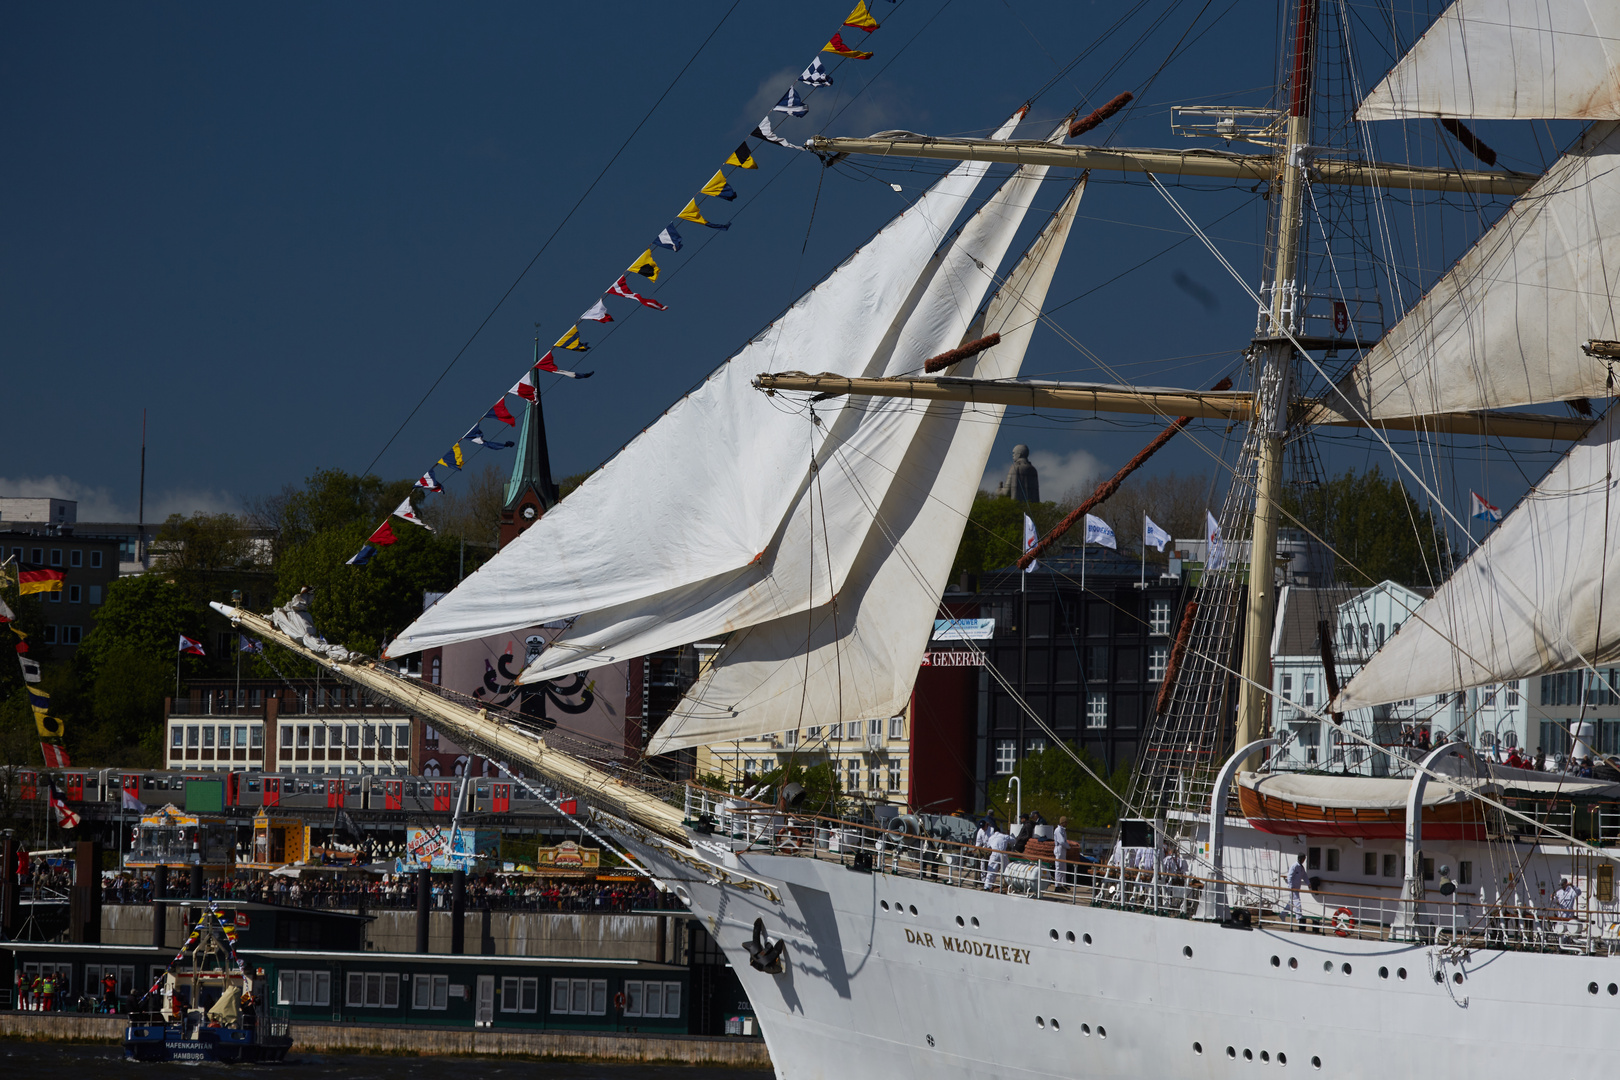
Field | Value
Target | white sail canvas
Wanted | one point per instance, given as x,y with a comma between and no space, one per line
1509,60
858,658
721,448
1531,599
1505,326
861,444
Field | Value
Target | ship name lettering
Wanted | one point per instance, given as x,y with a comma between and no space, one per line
914,937
1006,953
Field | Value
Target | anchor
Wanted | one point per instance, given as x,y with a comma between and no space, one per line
763,953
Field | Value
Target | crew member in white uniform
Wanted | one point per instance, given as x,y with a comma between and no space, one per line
1060,852
1000,844
1296,881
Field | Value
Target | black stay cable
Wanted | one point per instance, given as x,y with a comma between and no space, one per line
565,220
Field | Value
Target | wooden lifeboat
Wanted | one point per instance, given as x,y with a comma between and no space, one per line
1294,804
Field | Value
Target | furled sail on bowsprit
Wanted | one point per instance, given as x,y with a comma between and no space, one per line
722,447
1506,325
1509,60
857,658
860,447
1537,596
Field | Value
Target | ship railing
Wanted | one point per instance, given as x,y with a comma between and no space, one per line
277,1023
1464,918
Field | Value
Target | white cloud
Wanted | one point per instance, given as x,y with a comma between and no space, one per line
770,91
100,504
1061,476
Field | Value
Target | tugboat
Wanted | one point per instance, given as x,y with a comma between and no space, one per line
205,1007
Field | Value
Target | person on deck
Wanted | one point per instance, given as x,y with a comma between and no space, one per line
1000,844
1565,898
1060,854
1297,879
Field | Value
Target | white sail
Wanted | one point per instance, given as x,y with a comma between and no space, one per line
628,532
1505,326
1509,60
858,658
861,445
1537,596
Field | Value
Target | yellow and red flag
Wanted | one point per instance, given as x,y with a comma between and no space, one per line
837,47
861,19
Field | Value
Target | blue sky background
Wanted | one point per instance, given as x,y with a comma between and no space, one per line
273,226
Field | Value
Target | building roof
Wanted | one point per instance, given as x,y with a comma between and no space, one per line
532,469
1301,609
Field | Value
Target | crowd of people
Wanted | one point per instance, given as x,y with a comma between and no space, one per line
496,892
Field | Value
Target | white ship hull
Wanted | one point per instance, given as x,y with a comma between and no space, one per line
980,984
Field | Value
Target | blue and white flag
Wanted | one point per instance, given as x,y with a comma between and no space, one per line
791,103
1153,535
248,644
362,556
1099,531
764,131
476,435
1480,510
669,238
1030,536
1215,557
815,74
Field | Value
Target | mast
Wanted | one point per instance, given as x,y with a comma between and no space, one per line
1273,354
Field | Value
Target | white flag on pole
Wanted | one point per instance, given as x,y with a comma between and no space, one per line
1030,536
1216,556
1152,535
1098,531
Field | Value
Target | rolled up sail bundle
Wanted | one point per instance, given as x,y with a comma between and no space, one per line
722,450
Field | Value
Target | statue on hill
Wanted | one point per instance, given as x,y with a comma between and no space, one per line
1022,483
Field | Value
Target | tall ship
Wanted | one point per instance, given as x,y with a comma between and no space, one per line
1396,911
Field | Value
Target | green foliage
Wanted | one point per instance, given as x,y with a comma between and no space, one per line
204,542
145,615
330,499
1056,786
127,699
359,606
1376,528
994,536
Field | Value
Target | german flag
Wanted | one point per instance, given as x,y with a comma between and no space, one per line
33,579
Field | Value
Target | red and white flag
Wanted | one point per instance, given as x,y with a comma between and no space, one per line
622,288
548,364
383,535
406,511
189,647
65,817
568,805
55,756
1480,510
524,387
598,313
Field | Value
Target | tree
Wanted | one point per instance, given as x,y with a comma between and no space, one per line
1375,528
205,543
472,513
329,499
994,535
145,615
1056,786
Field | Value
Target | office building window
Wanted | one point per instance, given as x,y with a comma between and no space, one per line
646,999
1035,746
1096,710
75,594
95,594
286,738
874,728
579,997
430,992
1006,756
372,990
177,738
1512,695
352,732
208,736
853,773
1158,662
72,635
75,558
894,776
56,556
897,727
836,731
1096,663
50,634
241,738
304,988
1308,697
874,777
95,560
1159,617
193,736
37,555
523,995
320,737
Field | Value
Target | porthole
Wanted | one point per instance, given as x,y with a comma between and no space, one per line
1265,1055
1102,1032
1457,978
1400,973
1248,1055
1040,1022
1055,1026
1085,1029
1276,961
1186,950
1346,969
913,910
1316,1062
1293,961
1087,939
974,919
1613,989
959,921
884,904
1198,1048
1053,934
1327,965
1070,937
1383,973
1231,1052
1440,977
1591,988
1282,1058
930,1040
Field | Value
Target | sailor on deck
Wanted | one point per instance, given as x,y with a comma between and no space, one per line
1060,853
1000,844
1296,881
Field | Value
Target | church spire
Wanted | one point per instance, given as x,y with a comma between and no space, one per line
530,492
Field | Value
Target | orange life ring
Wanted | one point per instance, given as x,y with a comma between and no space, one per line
618,1002
1344,921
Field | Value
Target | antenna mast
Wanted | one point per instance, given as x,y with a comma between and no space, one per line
140,507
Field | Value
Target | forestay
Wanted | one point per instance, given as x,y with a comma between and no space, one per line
1537,596
857,658
1505,326
702,492
824,529
1509,60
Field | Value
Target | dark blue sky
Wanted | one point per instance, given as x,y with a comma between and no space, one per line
272,227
